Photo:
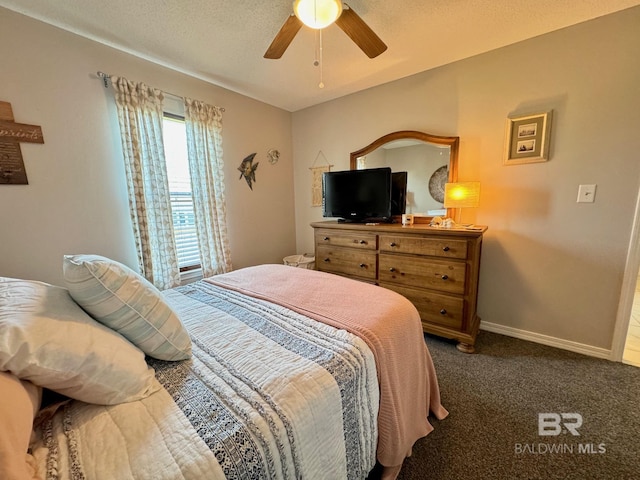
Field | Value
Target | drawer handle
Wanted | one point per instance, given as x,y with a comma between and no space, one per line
363,242
392,244
443,312
445,277
326,239
445,249
363,265
392,269
327,260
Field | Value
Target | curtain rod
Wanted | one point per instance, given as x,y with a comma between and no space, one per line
105,80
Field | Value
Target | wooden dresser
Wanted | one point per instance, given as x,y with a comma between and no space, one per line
436,268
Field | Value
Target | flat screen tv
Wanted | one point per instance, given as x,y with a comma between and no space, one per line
398,193
357,195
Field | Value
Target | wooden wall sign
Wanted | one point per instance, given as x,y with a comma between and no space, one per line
11,134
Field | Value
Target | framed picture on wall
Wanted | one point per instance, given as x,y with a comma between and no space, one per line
527,138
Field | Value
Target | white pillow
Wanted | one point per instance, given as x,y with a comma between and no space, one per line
47,339
121,299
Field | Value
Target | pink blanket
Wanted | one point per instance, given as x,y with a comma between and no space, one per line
385,320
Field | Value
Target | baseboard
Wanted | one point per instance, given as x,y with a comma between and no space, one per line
547,340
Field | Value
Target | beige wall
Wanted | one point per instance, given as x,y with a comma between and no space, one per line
550,266
76,199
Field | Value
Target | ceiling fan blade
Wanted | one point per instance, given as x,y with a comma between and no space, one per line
360,33
284,37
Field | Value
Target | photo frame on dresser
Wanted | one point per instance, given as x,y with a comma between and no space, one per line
527,138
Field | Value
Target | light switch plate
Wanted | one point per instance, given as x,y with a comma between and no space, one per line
586,194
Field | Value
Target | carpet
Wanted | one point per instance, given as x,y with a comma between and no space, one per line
495,398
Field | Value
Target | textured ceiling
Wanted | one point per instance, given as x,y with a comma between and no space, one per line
223,41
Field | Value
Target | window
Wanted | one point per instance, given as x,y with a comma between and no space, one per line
184,225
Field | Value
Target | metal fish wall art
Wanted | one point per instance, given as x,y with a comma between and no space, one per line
248,170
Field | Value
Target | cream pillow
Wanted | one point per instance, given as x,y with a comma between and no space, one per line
121,299
47,339
19,402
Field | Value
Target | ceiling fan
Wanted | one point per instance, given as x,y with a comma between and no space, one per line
319,14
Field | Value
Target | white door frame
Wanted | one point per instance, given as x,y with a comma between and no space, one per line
629,280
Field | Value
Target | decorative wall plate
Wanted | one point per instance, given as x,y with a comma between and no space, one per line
437,181
273,155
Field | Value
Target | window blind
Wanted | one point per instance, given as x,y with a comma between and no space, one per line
184,226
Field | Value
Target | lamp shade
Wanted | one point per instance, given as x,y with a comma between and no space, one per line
317,13
461,194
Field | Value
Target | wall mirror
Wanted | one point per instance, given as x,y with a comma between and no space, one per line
429,160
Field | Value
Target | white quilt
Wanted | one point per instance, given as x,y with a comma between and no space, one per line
269,393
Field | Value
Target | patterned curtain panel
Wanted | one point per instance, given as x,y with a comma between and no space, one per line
140,117
204,144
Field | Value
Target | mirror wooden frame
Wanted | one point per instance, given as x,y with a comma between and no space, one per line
452,142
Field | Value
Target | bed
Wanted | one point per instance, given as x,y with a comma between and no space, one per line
270,372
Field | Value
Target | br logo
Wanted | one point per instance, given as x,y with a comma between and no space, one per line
553,424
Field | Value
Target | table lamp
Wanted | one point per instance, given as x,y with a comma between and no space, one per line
461,195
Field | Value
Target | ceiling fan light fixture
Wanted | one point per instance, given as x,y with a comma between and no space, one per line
317,14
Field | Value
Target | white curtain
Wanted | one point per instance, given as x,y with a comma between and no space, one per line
140,116
204,144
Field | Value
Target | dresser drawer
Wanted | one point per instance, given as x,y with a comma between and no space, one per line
434,308
365,241
442,275
346,261
433,246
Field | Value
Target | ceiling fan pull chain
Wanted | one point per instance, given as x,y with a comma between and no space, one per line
316,52
321,84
